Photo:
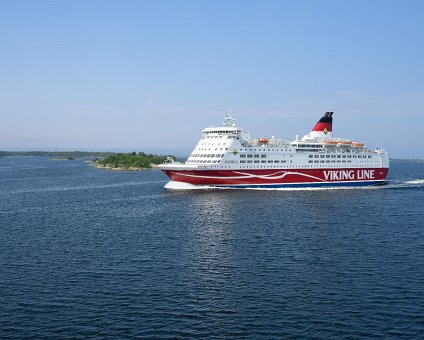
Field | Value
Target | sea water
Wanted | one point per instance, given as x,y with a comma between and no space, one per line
94,253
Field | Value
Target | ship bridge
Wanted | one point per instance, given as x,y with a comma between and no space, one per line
228,129
221,131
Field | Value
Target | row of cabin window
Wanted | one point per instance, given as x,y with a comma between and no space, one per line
206,155
263,161
263,150
211,148
252,156
205,161
309,146
335,161
339,156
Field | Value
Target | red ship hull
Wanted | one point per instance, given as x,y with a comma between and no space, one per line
271,178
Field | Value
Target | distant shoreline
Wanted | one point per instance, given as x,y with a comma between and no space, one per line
101,154
57,154
70,154
407,160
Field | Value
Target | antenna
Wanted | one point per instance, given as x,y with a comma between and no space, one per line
229,120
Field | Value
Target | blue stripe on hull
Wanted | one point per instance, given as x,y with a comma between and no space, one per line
307,185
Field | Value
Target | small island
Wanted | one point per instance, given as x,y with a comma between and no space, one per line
62,159
101,160
131,161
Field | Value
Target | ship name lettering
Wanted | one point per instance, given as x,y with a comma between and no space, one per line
365,174
339,175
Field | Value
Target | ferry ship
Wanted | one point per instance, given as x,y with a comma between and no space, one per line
228,156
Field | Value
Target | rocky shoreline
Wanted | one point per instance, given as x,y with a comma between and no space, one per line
120,168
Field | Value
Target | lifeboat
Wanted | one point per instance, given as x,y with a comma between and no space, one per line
263,140
358,144
329,143
344,143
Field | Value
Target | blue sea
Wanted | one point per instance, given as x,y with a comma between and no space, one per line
87,253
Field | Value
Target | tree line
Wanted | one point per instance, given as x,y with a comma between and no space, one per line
133,160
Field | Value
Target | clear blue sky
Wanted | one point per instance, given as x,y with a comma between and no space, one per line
149,75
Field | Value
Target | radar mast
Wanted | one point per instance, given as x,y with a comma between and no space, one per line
229,120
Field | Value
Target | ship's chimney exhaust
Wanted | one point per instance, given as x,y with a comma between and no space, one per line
325,124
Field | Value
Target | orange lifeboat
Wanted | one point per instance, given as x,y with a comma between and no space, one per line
263,140
329,143
344,143
358,144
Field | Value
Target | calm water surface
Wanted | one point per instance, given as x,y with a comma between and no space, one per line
91,253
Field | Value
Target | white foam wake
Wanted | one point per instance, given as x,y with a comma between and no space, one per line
174,185
415,181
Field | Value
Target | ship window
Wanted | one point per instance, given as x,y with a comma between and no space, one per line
242,156
276,161
322,156
316,156
344,156
256,161
256,156
283,161
270,161
327,161
349,156
242,161
263,156
322,161
338,156
249,161
369,156
263,161
311,161
311,156
249,156
333,156
327,156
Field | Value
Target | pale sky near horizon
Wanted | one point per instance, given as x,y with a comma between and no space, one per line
149,75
